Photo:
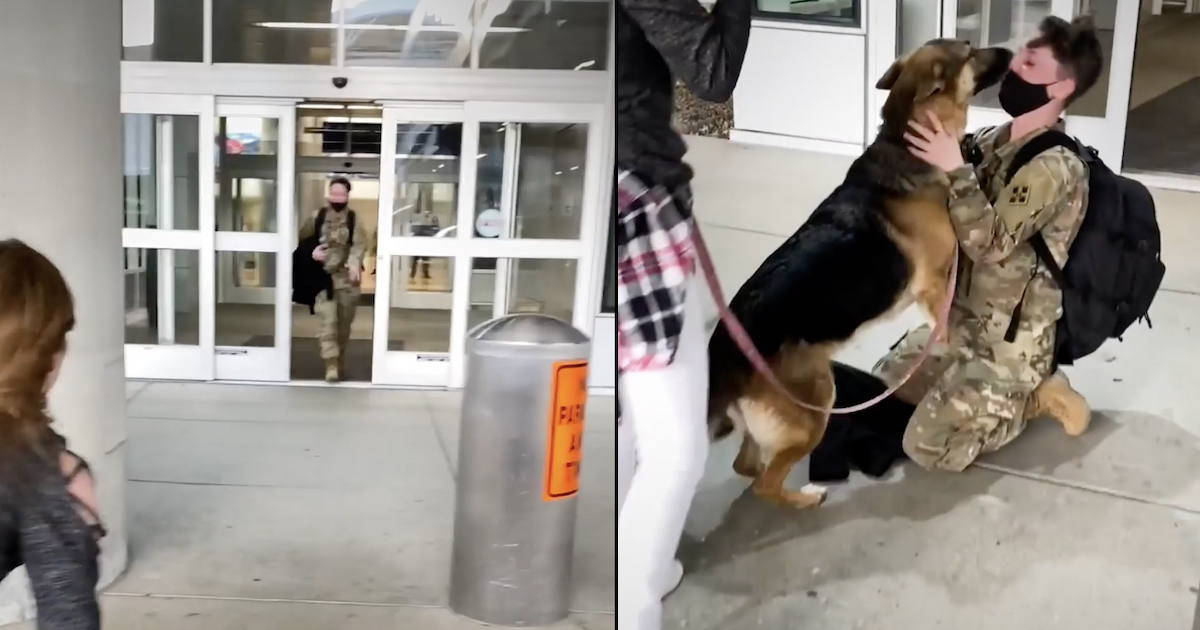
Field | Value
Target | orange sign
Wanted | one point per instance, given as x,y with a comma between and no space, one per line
568,395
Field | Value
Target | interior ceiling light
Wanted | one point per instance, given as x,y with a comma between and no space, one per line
318,26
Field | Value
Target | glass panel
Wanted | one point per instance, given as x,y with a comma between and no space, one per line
274,31
339,130
521,285
246,172
545,198
1162,132
608,301
161,171
428,157
920,21
163,30
384,33
245,313
162,297
839,12
419,320
541,35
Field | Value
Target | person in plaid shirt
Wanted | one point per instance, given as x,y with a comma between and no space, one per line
662,358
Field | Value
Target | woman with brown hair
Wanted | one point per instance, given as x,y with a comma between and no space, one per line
48,516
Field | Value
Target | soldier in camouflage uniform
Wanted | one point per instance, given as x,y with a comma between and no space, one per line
342,257
978,390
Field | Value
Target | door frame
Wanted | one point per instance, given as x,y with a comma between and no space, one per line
448,369
1106,133
273,364
178,362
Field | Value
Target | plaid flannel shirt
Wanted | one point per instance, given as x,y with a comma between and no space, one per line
655,262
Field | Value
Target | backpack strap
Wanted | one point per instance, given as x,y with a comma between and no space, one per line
318,223
1038,145
1043,253
350,222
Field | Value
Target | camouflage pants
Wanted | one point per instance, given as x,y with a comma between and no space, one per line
969,400
336,316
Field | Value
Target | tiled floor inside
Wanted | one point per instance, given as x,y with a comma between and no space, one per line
316,509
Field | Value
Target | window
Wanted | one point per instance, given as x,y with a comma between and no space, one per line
543,35
504,34
608,301
836,12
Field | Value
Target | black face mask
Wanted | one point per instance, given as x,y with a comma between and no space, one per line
1019,97
338,206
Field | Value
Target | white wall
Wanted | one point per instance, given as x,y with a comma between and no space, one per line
805,85
602,367
811,86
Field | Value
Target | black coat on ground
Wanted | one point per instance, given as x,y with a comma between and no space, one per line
870,440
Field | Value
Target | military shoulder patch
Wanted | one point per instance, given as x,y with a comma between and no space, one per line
1018,195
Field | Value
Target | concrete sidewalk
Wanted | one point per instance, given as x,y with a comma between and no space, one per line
1099,532
298,508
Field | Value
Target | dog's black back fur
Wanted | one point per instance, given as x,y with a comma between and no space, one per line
849,270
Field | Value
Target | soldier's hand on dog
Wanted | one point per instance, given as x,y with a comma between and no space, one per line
319,253
934,144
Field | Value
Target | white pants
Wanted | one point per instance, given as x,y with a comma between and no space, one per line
664,423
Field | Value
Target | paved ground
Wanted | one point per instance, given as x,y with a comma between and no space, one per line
314,509
1100,532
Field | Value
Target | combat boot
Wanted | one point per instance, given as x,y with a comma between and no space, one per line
331,370
1055,398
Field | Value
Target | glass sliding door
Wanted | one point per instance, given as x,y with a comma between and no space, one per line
166,217
426,156
254,145
486,209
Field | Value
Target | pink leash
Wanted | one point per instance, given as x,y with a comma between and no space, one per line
760,365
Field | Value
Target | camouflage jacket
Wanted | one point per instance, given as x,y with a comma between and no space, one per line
998,269
335,235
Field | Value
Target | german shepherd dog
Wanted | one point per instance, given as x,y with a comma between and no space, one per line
882,240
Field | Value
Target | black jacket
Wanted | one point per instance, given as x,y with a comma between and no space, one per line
660,41
308,276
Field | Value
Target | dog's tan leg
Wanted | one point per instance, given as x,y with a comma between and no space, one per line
748,463
769,484
931,295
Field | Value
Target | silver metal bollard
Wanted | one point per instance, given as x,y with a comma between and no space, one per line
519,450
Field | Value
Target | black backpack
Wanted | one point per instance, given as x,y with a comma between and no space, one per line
1114,267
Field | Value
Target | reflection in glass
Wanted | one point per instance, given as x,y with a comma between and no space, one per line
161,172
530,180
162,297
522,285
246,149
428,157
840,12
542,35
418,33
245,313
299,32
172,31
339,130
421,300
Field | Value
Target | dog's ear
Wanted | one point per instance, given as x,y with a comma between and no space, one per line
889,78
934,85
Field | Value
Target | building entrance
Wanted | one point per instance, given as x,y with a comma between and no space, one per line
472,210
